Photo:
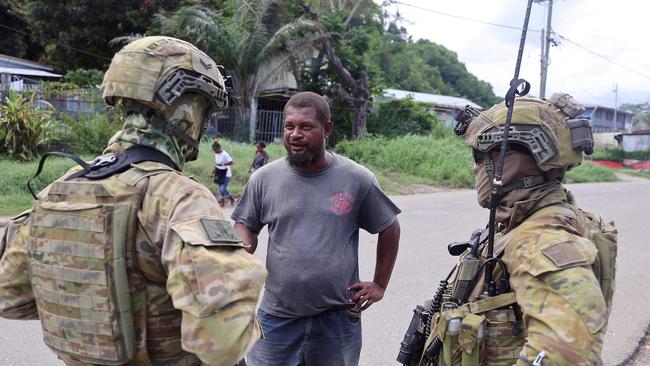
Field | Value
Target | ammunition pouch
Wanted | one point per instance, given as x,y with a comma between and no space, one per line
479,333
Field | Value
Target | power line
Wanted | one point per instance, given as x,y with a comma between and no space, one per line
518,28
601,56
465,18
58,44
574,75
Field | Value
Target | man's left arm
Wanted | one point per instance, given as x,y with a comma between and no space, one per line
16,296
368,293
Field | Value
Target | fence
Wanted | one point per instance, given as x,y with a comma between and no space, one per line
226,123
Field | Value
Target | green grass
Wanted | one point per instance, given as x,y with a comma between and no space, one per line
242,156
620,155
14,195
398,163
441,161
589,172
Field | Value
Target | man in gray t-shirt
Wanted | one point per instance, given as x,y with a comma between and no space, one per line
314,202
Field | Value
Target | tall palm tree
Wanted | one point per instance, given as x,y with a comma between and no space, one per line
251,44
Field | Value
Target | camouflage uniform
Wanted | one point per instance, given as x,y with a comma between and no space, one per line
541,240
192,285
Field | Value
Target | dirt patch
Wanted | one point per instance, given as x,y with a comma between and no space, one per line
629,178
422,188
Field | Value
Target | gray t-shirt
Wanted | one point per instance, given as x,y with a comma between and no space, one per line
313,221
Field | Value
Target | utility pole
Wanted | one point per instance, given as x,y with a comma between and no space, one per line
546,44
616,105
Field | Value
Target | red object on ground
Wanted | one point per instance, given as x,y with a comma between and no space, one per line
641,165
609,163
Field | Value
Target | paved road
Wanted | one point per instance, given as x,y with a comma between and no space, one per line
429,222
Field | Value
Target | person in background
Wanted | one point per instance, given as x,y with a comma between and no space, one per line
222,172
261,156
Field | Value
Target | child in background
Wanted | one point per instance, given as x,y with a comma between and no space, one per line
222,173
261,157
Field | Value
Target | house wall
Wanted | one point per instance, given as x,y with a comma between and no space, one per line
605,139
635,142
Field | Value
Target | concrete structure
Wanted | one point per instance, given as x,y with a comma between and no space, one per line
634,141
602,118
446,107
18,74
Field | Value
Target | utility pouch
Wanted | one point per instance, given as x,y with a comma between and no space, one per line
502,346
470,340
450,327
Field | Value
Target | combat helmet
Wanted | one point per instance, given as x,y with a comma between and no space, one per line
550,130
150,74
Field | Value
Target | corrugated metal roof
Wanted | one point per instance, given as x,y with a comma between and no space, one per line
28,72
437,99
6,60
594,106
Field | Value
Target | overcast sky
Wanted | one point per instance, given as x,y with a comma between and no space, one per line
616,30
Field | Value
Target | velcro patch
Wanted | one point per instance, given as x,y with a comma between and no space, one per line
219,230
564,254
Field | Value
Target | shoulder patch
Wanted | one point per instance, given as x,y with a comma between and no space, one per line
207,231
219,230
564,254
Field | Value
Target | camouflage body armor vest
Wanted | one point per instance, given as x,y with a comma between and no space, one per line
488,331
91,295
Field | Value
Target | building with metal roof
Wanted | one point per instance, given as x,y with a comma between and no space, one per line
18,74
607,119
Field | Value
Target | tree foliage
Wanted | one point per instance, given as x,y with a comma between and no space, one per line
84,77
255,44
76,33
641,118
400,117
425,66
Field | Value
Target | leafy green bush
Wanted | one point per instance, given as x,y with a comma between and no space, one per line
84,77
399,117
620,155
441,161
85,133
21,125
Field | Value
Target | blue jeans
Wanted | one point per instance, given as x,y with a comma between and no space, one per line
223,188
327,339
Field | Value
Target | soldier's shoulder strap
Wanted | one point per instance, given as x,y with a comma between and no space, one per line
107,165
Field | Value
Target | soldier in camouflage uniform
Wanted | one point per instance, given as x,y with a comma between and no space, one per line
553,308
137,265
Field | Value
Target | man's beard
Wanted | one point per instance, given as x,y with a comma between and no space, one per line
308,156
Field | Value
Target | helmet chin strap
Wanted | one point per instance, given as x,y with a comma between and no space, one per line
133,106
525,182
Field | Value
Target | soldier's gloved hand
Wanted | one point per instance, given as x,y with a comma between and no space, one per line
367,293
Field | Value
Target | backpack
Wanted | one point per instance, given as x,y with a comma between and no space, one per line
605,237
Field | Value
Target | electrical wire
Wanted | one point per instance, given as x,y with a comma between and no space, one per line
465,18
531,30
601,56
568,64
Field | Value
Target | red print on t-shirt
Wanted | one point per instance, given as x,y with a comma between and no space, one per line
341,203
